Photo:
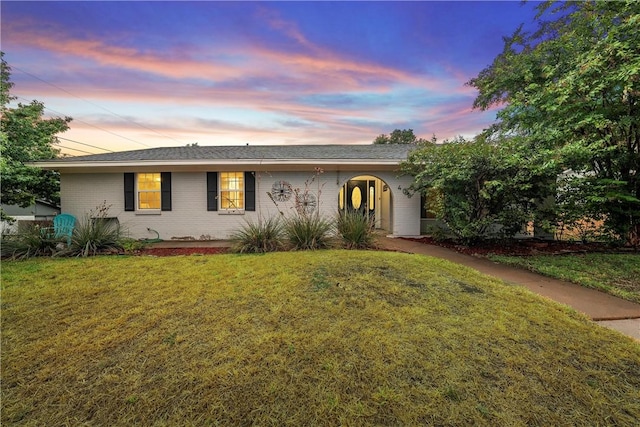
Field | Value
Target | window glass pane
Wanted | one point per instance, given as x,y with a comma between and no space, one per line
356,198
372,199
154,200
149,181
148,200
143,200
225,200
232,200
240,199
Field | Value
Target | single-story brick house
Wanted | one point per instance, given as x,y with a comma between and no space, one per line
208,192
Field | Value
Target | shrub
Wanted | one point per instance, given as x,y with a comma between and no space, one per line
482,189
28,242
355,229
307,231
258,237
132,246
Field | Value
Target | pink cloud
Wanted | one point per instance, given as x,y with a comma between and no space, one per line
290,29
175,65
316,69
455,119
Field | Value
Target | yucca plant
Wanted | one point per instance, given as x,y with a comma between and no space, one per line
308,231
93,236
265,235
355,229
28,242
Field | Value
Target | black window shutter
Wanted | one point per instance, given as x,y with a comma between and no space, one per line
212,191
129,192
249,191
165,191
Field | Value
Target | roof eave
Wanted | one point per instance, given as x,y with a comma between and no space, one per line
62,166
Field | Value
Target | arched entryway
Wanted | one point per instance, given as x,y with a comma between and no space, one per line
368,195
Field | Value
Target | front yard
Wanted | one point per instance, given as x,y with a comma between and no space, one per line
300,338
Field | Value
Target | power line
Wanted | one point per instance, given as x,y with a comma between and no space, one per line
87,145
75,149
89,124
96,105
71,140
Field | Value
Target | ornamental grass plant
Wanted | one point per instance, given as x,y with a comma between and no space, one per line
355,229
264,235
29,241
308,232
93,236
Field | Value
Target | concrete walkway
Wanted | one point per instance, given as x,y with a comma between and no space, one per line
605,309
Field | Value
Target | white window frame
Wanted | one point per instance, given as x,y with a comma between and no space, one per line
138,191
222,189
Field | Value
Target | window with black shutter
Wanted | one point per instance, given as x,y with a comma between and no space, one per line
147,191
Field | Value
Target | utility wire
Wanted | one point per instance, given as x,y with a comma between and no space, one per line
74,149
96,105
87,145
71,140
89,124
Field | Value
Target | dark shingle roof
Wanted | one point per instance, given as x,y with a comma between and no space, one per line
253,152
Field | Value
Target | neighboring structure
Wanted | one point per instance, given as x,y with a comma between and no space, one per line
208,192
39,211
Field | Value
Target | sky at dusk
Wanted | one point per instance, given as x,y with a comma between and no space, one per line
134,75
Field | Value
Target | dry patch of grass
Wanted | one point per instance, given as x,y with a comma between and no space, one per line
320,338
616,274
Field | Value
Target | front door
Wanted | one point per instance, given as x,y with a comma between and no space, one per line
361,195
357,195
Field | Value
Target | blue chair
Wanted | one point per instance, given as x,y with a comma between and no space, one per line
63,226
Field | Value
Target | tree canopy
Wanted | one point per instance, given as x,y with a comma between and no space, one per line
404,136
26,136
571,89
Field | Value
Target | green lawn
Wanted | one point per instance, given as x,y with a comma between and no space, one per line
617,274
300,338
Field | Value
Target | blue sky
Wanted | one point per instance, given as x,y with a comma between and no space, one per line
152,74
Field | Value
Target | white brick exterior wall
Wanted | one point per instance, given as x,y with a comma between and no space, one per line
189,218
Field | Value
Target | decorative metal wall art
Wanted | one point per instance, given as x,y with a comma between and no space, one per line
281,191
306,203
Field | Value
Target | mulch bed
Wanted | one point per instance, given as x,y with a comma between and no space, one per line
515,247
182,251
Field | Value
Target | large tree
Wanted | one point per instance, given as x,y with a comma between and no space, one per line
399,136
572,89
26,136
